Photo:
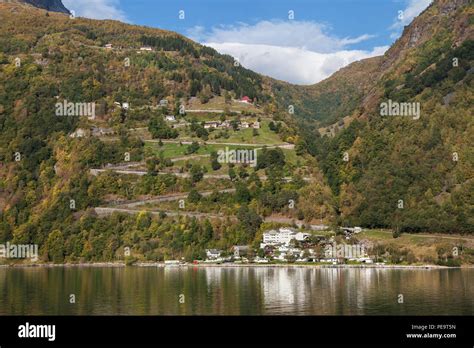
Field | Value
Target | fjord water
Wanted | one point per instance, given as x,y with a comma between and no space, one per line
235,291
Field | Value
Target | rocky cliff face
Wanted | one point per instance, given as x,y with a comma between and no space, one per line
356,89
49,5
431,66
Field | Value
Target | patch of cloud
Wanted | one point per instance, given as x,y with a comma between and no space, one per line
299,52
96,9
302,34
412,9
292,64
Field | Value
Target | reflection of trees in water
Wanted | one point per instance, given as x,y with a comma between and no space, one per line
234,291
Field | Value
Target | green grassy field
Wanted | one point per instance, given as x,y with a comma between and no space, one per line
173,150
265,136
424,246
291,157
218,102
203,162
376,234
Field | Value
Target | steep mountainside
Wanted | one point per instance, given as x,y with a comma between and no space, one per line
328,101
49,5
410,173
356,86
47,190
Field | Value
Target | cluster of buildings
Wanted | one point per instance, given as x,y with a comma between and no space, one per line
279,244
285,244
220,125
282,236
226,125
350,231
109,46
238,253
93,131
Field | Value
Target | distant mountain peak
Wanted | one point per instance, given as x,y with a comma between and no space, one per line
49,5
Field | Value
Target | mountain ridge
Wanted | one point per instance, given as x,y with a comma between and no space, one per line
48,5
370,163
359,77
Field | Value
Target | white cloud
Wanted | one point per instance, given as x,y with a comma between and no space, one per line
413,9
292,64
96,9
299,52
303,34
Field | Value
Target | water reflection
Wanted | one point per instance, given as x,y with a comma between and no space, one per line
235,291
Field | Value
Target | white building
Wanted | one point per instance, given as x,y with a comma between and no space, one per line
108,46
352,229
99,131
362,259
126,106
146,48
79,133
213,254
283,236
302,259
244,125
281,257
302,236
328,260
260,260
270,238
211,124
225,124
256,125
240,250
283,249
170,118
172,262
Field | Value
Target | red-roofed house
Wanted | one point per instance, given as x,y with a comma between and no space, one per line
246,99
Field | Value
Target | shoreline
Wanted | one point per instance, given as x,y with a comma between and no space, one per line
226,265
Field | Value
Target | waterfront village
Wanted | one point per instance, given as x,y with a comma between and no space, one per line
287,245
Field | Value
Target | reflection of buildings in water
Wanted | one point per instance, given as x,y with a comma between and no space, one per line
216,276
214,286
316,291
285,289
302,290
359,284
329,283
213,277
173,274
234,290
350,288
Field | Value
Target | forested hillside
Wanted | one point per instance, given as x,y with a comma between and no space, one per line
330,100
401,172
165,105
47,193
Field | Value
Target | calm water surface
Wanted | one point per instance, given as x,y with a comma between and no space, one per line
235,291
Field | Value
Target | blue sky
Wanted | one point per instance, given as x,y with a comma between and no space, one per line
323,36
345,17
